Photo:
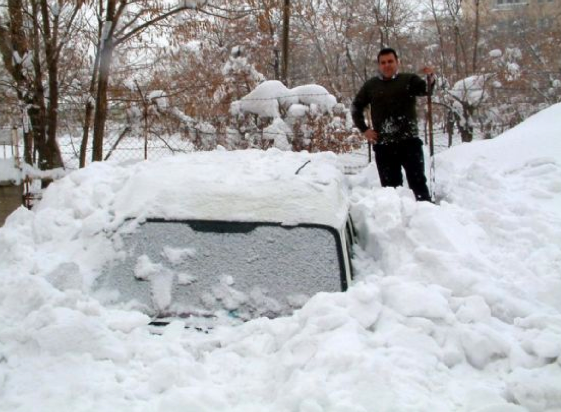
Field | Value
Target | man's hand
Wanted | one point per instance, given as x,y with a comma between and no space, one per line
371,136
429,72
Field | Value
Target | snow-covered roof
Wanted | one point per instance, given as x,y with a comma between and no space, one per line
250,185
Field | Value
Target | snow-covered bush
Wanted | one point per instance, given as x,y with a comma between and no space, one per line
239,77
464,99
305,117
477,105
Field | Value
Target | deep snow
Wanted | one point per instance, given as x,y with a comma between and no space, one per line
455,308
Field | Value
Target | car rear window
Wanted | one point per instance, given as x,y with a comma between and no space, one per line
198,268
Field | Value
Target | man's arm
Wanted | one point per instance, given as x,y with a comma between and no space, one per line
361,100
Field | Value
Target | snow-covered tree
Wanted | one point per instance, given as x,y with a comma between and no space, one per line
35,50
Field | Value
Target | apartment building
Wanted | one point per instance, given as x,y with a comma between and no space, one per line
541,13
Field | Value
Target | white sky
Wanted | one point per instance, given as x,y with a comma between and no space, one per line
456,306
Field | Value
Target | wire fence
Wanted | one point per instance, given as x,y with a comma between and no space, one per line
135,148
155,136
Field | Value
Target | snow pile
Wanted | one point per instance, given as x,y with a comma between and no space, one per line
89,204
455,306
234,186
480,273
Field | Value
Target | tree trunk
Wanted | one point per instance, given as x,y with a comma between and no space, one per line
440,39
27,142
52,155
285,48
464,122
100,116
13,41
450,127
36,107
475,37
89,113
107,47
89,104
86,132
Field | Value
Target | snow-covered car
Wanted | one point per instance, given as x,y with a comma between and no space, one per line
241,234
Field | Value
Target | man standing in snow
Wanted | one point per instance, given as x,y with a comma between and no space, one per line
394,131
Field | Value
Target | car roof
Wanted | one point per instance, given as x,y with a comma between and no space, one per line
247,185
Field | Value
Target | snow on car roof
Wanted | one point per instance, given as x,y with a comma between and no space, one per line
249,185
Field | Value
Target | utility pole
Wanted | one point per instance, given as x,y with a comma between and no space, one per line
285,28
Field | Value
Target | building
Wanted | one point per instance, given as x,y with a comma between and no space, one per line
540,14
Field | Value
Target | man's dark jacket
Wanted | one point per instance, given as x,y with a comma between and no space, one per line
392,104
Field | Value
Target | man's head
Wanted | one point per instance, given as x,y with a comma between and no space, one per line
388,63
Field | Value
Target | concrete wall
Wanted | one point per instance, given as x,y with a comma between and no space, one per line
10,199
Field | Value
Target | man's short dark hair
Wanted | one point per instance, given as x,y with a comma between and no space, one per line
387,50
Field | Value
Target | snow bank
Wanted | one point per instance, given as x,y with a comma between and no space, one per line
474,271
234,186
455,306
73,222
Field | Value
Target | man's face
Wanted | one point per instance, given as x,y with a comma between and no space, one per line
388,64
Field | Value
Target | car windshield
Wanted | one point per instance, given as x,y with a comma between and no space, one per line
196,268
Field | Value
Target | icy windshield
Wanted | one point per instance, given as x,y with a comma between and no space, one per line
199,268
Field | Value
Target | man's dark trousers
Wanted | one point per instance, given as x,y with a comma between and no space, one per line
407,153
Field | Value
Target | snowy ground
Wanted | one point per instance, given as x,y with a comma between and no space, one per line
456,308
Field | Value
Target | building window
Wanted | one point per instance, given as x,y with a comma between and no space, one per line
510,2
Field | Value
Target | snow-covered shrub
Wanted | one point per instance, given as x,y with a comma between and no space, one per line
305,117
239,77
464,99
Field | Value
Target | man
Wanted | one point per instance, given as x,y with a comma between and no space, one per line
394,133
